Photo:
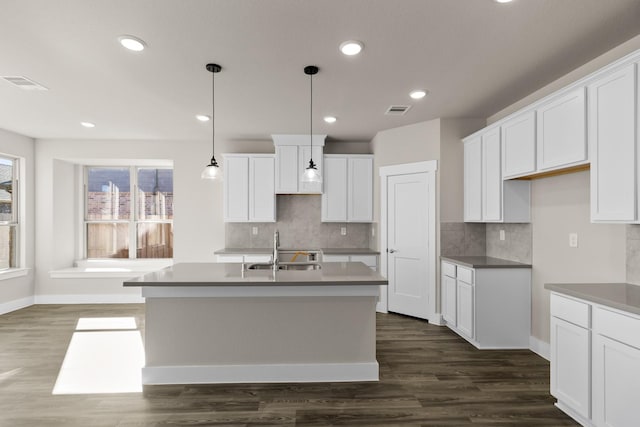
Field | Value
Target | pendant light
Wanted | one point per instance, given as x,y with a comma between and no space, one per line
213,171
311,173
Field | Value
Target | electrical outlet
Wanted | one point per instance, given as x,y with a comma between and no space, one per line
373,232
254,230
573,240
343,231
501,234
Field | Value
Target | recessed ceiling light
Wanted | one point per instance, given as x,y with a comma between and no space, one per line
330,119
418,94
351,47
203,118
88,124
132,43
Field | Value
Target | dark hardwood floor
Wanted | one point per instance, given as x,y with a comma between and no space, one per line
428,377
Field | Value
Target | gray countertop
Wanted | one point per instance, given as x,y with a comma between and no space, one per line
483,262
233,274
623,296
349,251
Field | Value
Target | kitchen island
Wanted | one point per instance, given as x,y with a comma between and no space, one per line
224,323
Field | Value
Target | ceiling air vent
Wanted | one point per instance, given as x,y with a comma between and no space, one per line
397,110
24,83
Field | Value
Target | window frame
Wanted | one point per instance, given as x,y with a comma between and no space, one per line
17,218
133,219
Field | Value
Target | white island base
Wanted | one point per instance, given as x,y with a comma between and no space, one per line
248,332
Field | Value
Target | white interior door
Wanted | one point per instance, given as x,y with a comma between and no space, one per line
408,235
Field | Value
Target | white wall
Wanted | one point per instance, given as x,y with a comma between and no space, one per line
18,292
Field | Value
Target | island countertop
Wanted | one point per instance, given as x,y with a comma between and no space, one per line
235,274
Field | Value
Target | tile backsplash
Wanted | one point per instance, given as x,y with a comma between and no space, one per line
298,221
460,238
517,243
633,254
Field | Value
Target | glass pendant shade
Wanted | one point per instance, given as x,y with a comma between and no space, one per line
212,172
311,174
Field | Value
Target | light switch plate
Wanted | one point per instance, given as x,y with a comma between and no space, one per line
254,230
501,234
573,240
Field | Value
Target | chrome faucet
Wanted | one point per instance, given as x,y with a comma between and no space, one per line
276,243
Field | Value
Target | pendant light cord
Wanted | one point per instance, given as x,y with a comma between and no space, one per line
213,118
311,117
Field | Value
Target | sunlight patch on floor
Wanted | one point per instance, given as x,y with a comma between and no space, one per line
105,323
102,362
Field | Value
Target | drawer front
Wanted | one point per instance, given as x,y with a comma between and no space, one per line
257,258
335,258
368,260
229,258
465,274
449,269
617,326
576,312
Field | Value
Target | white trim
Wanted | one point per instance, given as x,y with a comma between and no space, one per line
89,299
409,168
16,304
539,347
82,273
260,291
437,320
214,374
13,273
573,414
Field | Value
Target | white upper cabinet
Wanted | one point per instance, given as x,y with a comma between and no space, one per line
491,176
562,134
473,180
519,145
613,117
293,153
249,188
348,188
487,198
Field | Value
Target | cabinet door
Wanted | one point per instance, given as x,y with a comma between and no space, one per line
491,176
465,309
304,155
360,189
335,258
370,261
616,383
449,300
334,198
570,367
612,132
519,145
562,131
287,175
262,198
236,189
473,180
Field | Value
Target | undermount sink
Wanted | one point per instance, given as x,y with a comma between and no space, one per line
285,266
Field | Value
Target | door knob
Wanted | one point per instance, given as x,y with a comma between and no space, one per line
392,251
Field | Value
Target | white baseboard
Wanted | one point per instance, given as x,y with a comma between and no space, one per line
89,299
17,304
540,347
214,374
437,320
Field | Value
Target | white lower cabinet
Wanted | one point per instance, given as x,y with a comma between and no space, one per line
370,261
570,365
595,366
489,307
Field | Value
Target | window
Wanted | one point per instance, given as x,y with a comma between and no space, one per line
8,213
121,223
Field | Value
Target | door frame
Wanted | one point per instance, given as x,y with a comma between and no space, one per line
406,169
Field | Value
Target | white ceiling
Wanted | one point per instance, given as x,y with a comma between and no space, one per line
474,56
